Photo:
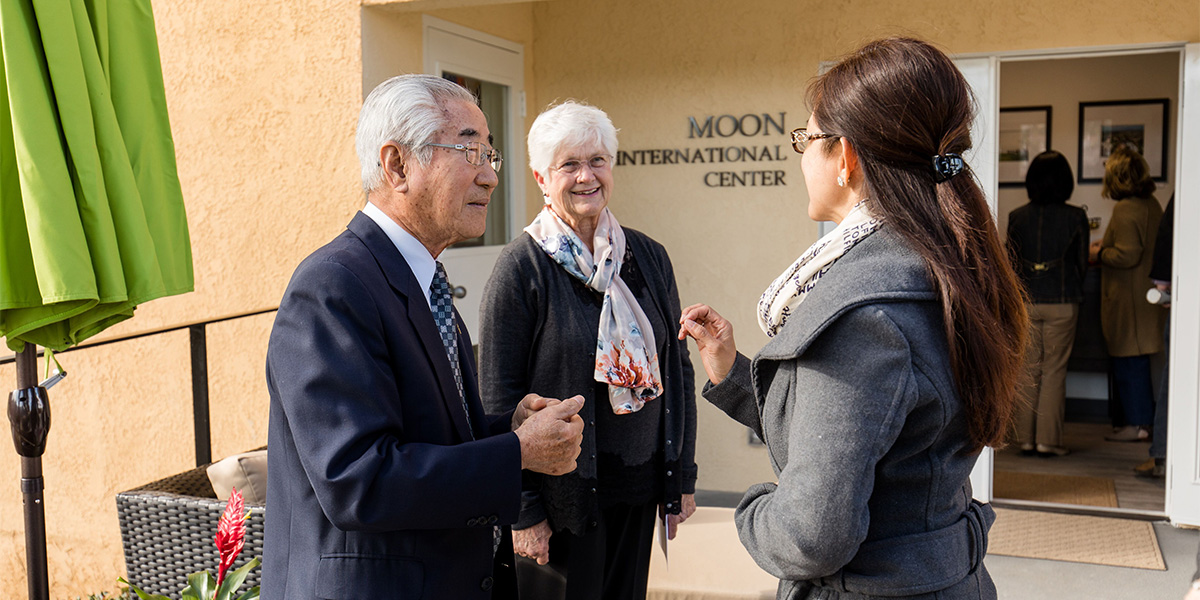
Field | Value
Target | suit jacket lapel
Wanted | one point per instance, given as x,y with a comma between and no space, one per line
402,280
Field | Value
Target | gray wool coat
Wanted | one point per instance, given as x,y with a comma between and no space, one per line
856,401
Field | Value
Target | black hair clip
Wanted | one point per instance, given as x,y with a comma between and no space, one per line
946,166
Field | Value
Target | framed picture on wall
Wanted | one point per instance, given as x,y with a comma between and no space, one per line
1024,133
1103,126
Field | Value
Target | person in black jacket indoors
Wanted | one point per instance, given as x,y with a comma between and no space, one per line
1048,242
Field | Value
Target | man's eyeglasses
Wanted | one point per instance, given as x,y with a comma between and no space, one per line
801,138
595,163
477,153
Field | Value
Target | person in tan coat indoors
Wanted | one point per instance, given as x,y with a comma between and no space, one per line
1132,326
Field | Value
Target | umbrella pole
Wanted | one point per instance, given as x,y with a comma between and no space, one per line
29,416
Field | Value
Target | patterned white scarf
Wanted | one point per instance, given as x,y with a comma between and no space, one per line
788,290
626,355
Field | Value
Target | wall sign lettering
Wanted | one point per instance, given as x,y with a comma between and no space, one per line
750,125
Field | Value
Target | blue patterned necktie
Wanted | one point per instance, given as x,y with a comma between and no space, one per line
443,315
442,306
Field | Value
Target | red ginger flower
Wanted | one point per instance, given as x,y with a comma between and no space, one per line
231,533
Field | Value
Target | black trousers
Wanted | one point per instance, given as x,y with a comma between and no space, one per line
609,562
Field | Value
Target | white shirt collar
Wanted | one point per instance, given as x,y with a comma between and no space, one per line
415,253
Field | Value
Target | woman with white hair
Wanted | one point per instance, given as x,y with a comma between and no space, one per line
579,304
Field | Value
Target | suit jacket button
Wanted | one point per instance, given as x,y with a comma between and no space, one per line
486,584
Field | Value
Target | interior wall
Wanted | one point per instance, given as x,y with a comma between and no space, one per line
1063,84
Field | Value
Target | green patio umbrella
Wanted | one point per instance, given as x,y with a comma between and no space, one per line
91,214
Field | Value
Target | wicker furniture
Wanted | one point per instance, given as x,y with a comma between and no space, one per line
167,530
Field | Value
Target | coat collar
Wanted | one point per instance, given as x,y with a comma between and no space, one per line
402,280
881,268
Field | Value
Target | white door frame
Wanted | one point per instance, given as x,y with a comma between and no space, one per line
464,51
506,66
1182,501
983,75
1183,435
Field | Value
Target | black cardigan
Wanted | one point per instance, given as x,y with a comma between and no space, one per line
528,324
1048,244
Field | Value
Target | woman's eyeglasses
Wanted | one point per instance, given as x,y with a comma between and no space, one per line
476,153
801,138
595,163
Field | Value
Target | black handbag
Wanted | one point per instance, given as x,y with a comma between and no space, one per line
543,582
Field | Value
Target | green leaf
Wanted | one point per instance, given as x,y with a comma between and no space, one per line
201,586
235,578
140,593
251,594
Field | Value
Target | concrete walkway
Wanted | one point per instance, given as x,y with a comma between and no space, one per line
1034,579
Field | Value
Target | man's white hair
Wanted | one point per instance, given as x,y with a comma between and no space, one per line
569,125
407,110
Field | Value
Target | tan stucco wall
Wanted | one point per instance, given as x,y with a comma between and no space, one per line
736,58
263,100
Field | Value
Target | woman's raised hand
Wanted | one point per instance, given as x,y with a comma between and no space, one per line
713,335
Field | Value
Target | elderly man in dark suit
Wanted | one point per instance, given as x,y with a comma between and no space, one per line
386,478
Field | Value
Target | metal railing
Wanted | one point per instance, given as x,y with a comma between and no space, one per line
198,342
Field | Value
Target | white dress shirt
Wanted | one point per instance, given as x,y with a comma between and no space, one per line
415,253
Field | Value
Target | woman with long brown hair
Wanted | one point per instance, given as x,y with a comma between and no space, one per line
896,344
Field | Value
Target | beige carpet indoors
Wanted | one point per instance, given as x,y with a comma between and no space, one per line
1071,538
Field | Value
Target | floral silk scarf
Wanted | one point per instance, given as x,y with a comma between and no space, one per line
789,289
626,354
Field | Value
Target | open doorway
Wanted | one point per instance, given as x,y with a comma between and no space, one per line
1077,105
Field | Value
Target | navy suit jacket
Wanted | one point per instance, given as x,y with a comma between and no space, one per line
376,488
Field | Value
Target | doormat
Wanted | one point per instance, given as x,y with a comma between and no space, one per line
1059,489
1075,538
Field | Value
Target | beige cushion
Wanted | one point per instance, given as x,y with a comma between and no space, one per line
246,471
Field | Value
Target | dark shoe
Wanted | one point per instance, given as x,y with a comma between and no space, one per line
1130,433
1155,467
1049,451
